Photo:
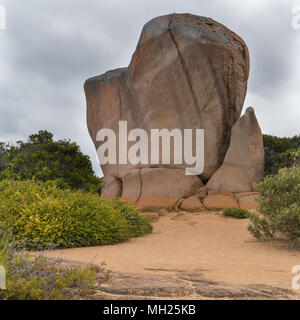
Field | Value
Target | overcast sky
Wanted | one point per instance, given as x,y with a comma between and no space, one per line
50,47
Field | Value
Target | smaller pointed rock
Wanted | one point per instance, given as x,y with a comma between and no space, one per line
243,166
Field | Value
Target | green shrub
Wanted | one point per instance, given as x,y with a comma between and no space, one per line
43,159
280,152
6,235
237,213
280,206
43,214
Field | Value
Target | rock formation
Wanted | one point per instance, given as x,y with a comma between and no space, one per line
243,166
187,72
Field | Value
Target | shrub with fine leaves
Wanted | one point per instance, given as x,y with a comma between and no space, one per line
279,205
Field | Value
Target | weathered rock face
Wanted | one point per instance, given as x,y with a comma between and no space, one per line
243,165
112,188
187,72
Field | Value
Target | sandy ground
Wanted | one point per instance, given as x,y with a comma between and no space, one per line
220,248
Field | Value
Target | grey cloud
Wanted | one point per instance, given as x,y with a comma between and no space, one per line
51,47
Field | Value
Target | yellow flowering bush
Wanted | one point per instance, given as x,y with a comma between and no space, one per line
40,214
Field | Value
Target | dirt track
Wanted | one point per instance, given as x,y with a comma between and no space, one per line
200,255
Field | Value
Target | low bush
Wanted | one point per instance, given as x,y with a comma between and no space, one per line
38,278
41,214
237,213
279,205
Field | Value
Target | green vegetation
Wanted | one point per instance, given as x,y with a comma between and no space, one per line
237,213
280,152
280,191
280,206
40,214
42,159
38,278
49,199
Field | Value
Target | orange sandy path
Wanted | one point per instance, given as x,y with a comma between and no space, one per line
221,247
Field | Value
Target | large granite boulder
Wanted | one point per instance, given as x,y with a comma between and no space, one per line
187,72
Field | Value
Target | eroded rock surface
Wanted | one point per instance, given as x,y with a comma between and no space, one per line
178,284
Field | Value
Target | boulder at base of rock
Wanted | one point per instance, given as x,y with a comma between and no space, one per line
112,188
243,165
152,216
162,187
132,186
202,192
220,201
192,204
247,200
162,212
